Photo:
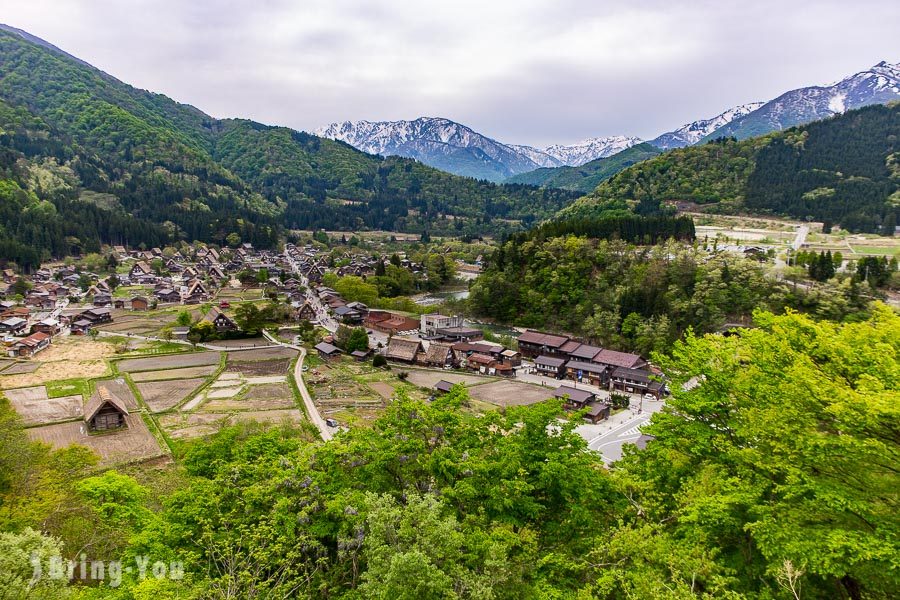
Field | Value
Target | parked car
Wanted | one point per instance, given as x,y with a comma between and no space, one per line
224,304
331,422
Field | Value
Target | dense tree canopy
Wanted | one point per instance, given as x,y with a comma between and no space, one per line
844,170
772,473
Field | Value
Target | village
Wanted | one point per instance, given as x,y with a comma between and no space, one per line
149,350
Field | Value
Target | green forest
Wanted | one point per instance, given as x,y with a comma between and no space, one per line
86,159
842,171
641,297
775,477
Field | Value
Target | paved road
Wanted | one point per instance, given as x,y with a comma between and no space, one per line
325,320
608,437
802,232
311,409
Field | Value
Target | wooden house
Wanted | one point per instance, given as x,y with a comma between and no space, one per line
306,312
220,320
550,366
614,359
328,351
635,381
578,370
140,303
13,325
535,343
442,387
30,345
96,315
105,411
438,355
403,350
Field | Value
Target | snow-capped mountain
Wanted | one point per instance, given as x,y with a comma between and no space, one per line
691,133
538,157
453,147
575,155
877,85
438,142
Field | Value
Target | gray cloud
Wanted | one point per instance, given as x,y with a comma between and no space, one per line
523,71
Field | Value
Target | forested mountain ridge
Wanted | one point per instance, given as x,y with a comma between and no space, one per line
589,175
843,170
880,84
72,134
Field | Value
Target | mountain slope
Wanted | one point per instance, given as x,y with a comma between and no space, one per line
844,170
691,133
577,154
437,142
169,172
455,148
878,85
589,175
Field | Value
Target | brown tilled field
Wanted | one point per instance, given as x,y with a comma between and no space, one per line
259,367
385,390
55,371
163,395
427,379
22,368
35,408
132,443
192,425
261,354
174,361
510,393
186,373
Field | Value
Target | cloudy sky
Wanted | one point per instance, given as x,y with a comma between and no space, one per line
522,71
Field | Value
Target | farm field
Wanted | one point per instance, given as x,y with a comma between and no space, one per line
427,379
163,395
198,424
157,363
259,367
183,373
262,354
36,408
510,393
130,444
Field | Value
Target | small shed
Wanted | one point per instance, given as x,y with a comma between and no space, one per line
360,355
443,386
328,351
140,303
597,411
105,411
575,399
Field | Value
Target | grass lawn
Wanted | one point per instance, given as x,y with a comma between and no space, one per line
129,291
68,387
876,250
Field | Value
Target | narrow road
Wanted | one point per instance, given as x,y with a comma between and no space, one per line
325,319
311,409
802,232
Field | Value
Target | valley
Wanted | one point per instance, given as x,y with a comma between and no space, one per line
403,359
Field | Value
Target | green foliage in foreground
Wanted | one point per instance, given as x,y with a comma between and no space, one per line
774,477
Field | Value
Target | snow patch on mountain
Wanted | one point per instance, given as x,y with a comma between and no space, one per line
575,155
691,133
877,85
